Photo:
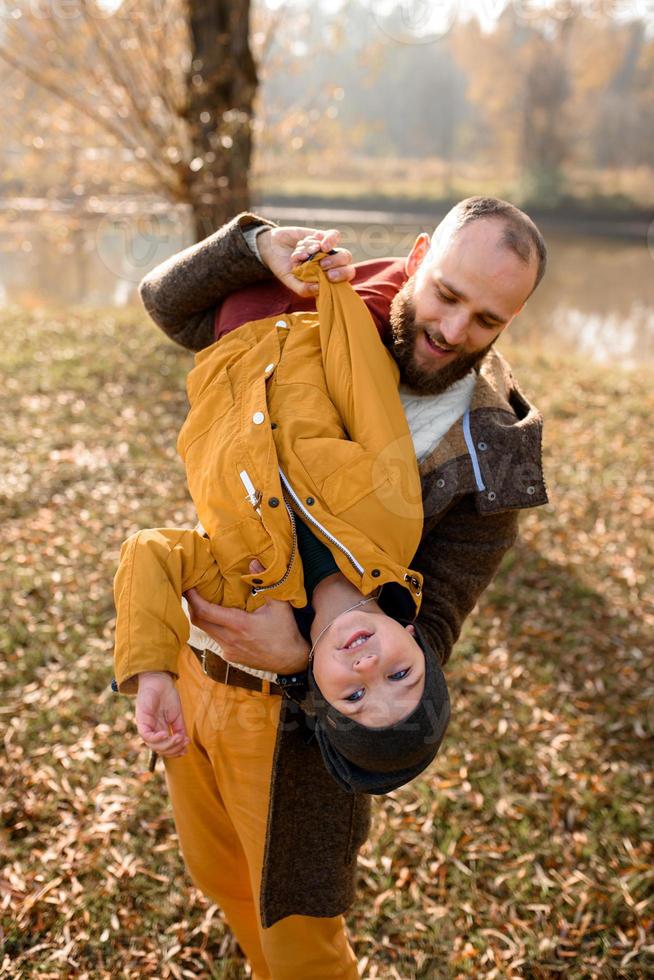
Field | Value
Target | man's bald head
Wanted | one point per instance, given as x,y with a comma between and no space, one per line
519,233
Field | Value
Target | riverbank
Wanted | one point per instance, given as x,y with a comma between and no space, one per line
626,225
526,850
609,203
611,218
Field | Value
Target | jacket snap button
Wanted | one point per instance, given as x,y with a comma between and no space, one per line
273,425
531,490
375,573
310,501
482,446
440,483
281,323
258,418
273,502
257,581
268,370
492,495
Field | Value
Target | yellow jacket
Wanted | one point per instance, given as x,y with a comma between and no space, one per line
295,414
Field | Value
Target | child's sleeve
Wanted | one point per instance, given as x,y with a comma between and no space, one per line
361,376
156,567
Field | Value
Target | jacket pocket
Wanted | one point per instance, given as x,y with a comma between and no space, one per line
342,471
234,547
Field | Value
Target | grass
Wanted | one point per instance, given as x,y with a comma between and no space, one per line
525,852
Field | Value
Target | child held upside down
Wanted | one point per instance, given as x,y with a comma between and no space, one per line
298,454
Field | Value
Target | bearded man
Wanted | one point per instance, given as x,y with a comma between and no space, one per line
478,443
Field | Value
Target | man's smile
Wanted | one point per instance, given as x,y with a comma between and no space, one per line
435,348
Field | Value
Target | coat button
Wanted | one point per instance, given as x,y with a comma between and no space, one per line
375,573
258,418
273,502
440,483
531,490
492,495
482,446
310,501
281,323
268,370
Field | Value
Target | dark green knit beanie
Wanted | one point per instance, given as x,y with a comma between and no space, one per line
378,760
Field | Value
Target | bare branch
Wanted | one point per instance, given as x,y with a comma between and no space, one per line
137,80
124,137
146,130
276,18
163,78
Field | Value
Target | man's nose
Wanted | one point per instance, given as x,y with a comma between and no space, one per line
454,327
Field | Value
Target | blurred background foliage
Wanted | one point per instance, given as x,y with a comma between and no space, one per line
547,103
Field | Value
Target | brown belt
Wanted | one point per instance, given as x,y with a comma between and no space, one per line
219,670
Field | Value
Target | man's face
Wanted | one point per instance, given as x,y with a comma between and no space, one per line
460,296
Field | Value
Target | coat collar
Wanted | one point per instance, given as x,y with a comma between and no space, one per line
493,452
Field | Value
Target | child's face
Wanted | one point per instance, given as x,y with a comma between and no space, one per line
370,668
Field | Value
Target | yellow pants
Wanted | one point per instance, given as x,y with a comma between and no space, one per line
219,792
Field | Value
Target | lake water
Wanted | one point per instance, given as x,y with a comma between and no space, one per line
597,298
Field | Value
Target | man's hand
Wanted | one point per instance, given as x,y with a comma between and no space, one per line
267,639
159,718
283,248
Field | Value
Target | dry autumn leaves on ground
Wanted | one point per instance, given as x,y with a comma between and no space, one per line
526,852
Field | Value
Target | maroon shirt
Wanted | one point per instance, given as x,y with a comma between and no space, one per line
376,281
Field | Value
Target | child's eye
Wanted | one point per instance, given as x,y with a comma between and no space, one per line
355,696
399,674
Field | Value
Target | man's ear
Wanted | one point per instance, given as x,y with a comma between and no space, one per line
410,629
417,253
511,319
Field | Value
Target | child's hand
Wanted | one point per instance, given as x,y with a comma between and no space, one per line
159,718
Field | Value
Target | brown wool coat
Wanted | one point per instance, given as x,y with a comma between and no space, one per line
473,486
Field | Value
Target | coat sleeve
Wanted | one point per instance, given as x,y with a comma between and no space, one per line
183,293
458,558
156,567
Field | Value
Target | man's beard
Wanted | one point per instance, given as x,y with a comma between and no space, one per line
405,332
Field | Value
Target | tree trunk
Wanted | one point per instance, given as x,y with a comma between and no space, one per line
221,87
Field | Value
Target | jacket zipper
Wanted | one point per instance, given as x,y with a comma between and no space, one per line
288,489
276,585
253,495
